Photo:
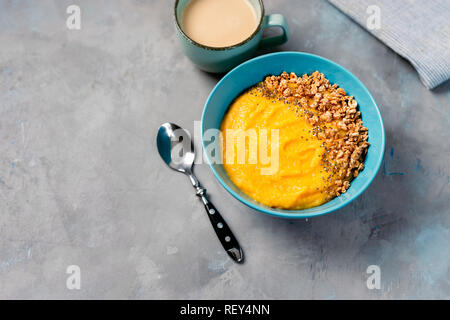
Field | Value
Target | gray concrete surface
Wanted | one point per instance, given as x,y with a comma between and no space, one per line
81,182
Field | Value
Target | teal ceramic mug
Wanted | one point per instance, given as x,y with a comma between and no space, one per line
220,60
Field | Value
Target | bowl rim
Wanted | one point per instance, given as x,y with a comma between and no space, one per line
295,214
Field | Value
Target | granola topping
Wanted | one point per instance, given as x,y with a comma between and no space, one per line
334,118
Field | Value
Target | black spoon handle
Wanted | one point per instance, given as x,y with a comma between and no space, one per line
226,237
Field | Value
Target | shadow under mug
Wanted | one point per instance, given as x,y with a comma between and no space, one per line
219,60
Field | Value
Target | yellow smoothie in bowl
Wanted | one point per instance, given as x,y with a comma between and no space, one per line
293,142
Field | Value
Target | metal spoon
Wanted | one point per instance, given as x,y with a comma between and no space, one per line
176,149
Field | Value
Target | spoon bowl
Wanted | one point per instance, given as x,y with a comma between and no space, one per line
175,147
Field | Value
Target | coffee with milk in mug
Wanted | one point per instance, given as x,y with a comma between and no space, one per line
219,23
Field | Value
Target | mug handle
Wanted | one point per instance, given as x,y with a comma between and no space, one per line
275,20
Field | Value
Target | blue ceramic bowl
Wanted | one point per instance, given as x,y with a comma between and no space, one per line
250,73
